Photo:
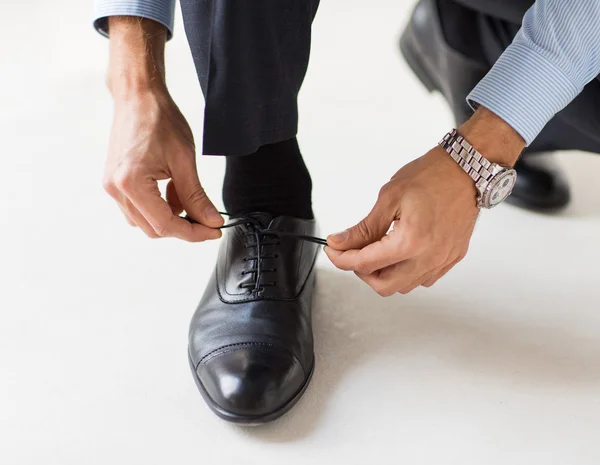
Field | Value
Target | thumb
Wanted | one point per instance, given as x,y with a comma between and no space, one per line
367,231
194,199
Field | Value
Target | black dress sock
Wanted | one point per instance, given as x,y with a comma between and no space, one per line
274,180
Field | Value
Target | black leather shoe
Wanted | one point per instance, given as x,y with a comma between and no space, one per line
541,186
437,65
250,341
441,68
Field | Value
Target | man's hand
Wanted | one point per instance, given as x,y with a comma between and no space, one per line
432,227
431,205
151,141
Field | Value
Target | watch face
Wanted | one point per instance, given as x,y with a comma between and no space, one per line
502,187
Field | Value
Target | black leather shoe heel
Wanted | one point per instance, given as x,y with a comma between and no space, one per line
437,65
410,52
541,186
250,341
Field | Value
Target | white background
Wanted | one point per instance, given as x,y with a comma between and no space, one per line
499,363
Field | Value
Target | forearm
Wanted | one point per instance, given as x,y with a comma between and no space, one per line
137,56
554,55
493,137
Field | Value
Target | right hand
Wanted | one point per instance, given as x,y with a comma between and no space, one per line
150,141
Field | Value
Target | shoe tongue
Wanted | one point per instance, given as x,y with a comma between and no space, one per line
264,219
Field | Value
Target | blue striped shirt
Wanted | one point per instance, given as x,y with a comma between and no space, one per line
554,55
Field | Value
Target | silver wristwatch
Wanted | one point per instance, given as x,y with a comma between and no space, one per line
494,182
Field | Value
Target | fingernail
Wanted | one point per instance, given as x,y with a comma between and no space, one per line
340,237
212,213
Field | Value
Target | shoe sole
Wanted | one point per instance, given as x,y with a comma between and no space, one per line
245,420
537,208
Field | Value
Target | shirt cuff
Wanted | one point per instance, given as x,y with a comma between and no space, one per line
525,89
161,11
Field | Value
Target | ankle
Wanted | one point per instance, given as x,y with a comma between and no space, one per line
273,180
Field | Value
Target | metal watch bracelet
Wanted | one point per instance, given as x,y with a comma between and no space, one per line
469,159
494,182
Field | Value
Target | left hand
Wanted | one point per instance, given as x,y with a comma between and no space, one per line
431,203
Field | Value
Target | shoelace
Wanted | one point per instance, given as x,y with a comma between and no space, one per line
260,234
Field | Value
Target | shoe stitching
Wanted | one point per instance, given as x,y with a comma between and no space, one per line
254,346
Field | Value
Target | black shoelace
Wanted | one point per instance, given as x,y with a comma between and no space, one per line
261,238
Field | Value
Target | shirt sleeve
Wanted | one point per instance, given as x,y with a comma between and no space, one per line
161,11
553,56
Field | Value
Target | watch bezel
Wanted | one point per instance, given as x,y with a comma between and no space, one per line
491,187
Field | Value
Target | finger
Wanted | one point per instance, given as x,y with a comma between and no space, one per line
390,280
417,282
192,196
127,217
393,248
137,217
173,199
372,228
132,215
147,199
439,274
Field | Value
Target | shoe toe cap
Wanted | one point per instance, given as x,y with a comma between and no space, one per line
251,381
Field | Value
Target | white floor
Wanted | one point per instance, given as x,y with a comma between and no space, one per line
499,363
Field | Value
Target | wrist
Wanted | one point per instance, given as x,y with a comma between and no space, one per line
493,137
136,65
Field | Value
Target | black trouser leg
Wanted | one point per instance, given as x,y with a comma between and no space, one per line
493,24
251,58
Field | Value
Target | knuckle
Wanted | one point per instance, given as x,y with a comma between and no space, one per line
336,261
363,270
343,267
187,149
108,185
363,267
438,258
363,230
197,194
123,179
384,192
387,197
162,230
383,289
